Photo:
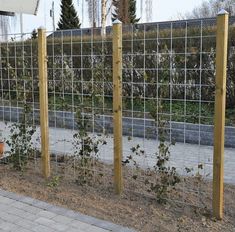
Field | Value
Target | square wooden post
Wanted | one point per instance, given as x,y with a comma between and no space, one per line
43,95
220,105
117,105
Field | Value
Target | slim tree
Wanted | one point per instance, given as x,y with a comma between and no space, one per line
98,11
7,20
68,18
93,10
106,8
103,17
211,8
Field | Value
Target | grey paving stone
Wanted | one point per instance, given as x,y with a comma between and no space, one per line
7,226
42,228
72,229
1,220
95,229
15,211
29,216
32,209
19,205
46,214
4,207
27,224
6,200
9,217
62,219
59,226
44,221
22,214
23,230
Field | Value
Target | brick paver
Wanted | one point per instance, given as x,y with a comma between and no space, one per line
24,214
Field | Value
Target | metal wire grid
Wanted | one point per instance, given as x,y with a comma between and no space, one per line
19,96
80,97
181,60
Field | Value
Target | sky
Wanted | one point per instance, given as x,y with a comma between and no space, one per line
163,10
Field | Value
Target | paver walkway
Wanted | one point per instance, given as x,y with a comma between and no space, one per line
24,214
182,154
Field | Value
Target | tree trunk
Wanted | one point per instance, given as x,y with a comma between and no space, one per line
103,18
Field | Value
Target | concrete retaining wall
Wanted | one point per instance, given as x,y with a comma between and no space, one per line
178,131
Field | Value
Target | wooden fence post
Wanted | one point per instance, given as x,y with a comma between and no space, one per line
219,122
117,105
43,94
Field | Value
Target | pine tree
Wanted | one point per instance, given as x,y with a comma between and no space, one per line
125,11
132,12
68,18
34,34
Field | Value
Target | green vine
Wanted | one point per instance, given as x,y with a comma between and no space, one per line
86,150
21,132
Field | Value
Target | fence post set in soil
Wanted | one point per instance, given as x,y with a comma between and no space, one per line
219,123
117,105
43,94
117,39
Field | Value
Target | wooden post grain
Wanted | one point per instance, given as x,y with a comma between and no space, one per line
43,94
219,122
117,105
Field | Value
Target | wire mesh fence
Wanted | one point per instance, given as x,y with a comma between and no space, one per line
168,106
168,83
168,86
19,98
80,97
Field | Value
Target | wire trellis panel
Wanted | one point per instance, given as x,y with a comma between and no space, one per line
168,106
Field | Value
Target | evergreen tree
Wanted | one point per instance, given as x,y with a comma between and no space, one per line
68,18
34,34
125,11
132,12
